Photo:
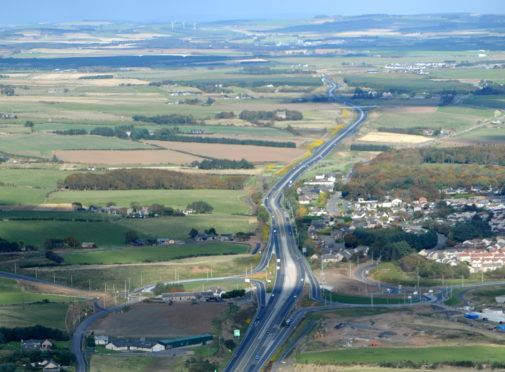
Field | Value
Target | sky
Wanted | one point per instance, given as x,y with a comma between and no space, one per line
35,11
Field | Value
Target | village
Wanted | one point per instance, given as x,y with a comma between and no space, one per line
333,217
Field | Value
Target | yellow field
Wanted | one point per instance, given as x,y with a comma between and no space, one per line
388,137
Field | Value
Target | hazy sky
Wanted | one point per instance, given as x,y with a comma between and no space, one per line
31,11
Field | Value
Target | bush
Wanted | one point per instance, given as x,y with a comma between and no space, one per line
200,206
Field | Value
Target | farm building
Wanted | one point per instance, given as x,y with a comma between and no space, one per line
101,340
491,315
186,341
118,345
36,344
191,296
135,345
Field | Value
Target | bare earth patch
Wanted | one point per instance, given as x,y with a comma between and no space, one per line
116,157
393,138
160,320
234,152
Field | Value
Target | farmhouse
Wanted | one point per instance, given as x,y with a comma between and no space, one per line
33,344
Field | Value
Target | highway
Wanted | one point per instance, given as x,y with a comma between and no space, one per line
272,325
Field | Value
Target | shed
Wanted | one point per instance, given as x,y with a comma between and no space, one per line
101,340
186,341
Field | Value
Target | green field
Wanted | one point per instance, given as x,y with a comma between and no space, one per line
96,277
223,201
140,363
485,135
111,231
461,110
42,177
49,315
475,353
494,102
495,75
349,299
42,145
104,234
137,255
179,227
404,83
438,120
12,293
22,195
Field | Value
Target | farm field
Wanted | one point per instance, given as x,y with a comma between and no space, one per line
22,195
46,314
255,154
491,136
447,120
12,293
42,145
491,101
125,157
96,277
138,363
178,320
396,138
476,74
223,201
404,83
178,228
331,368
136,255
440,354
32,177
104,234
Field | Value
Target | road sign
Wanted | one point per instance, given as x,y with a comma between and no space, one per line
236,332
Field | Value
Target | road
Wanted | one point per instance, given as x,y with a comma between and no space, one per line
269,331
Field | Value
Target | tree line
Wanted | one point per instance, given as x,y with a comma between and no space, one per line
390,243
166,119
413,173
223,164
135,179
277,115
169,134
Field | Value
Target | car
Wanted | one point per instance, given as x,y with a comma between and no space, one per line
235,356
257,357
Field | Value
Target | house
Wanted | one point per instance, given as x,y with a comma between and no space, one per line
31,344
46,345
118,345
143,345
50,366
101,340
135,345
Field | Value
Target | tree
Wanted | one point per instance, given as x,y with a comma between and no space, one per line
200,206
130,237
29,124
211,231
90,341
76,205
72,242
50,255
230,344
193,233
52,243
